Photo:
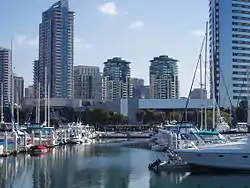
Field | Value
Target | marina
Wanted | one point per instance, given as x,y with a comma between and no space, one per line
96,166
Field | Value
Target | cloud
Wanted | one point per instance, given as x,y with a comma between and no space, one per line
24,40
108,8
198,32
80,43
136,24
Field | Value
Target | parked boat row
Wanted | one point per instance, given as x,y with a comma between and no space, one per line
29,137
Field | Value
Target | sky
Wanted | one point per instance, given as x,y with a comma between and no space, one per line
136,30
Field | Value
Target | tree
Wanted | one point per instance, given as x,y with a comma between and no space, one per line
99,117
241,111
140,116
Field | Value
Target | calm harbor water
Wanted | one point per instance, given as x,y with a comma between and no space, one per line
102,166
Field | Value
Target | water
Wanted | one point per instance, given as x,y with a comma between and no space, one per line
102,166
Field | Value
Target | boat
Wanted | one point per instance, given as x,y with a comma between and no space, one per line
174,166
76,140
173,163
38,149
227,156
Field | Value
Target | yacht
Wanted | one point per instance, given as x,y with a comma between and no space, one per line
76,135
169,137
231,155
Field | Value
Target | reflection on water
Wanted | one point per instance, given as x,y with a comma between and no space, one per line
102,166
188,180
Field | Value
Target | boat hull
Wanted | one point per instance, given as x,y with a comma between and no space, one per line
39,151
174,167
75,141
215,161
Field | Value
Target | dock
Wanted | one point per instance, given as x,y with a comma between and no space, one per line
124,135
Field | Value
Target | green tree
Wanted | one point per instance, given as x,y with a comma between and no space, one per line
241,111
140,116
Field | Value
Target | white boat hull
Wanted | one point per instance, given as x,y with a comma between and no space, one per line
232,161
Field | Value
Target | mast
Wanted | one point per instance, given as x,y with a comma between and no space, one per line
17,108
248,95
205,79
12,88
2,93
39,104
201,93
45,95
49,104
36,110
213,91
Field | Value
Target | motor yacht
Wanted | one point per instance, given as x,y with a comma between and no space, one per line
172,136
76,135
230,155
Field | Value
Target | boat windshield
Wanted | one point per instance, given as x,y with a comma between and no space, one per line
213,138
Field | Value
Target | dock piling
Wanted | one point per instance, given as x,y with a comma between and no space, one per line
5,149
40,138
33,138
15,142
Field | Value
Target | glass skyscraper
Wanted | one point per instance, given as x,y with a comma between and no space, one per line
229,38
56,51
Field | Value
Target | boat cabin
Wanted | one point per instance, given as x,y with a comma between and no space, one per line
211,137
36,128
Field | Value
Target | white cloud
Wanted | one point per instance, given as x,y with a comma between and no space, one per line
137,24
198,32
24,40
80,43
108,8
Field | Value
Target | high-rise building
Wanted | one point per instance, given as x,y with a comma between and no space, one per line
56,33
116,79
18,89
138,87
29,92
35,86
229,23
6,75
198,93
137,82
164,83
87,82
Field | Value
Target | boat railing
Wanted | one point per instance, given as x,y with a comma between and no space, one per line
183,142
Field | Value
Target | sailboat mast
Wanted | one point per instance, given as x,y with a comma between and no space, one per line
39,103
248,97
205,79
45,95
49,104
36,109
213,91
201,93
2,93
12,84
17,108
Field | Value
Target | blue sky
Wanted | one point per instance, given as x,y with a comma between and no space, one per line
136,30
